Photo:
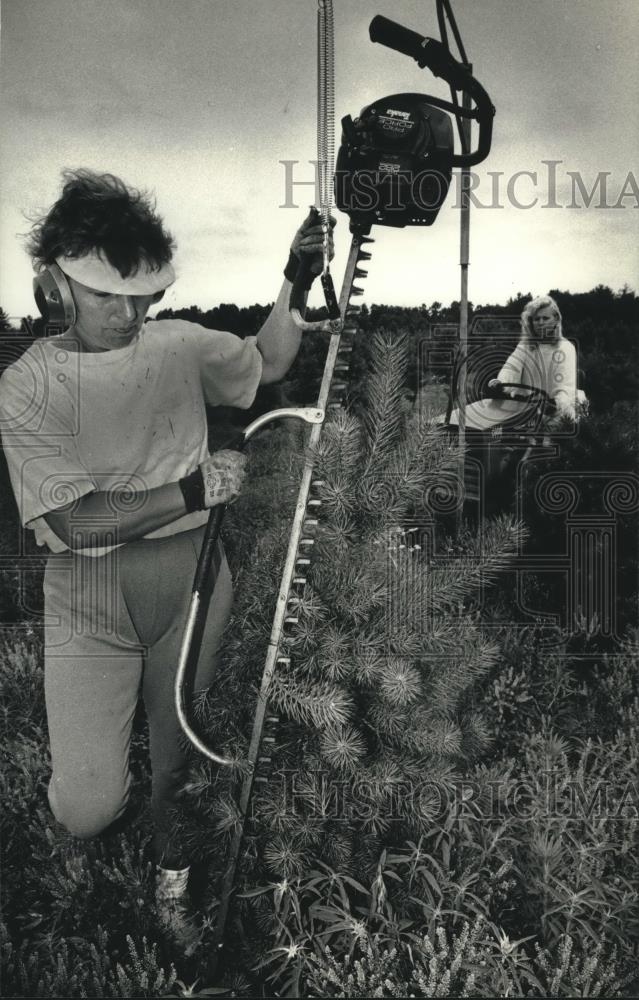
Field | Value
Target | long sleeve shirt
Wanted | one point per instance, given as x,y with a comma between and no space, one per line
551,367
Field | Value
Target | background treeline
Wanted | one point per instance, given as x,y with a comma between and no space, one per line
604,325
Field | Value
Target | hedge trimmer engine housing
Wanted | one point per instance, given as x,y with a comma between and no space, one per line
394,165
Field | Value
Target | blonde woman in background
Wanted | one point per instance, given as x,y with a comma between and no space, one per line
544,359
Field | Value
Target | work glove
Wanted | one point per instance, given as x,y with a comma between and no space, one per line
218,479
308,240
223,474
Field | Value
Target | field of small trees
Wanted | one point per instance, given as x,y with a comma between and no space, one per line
452,806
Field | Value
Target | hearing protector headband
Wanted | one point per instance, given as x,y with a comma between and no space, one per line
54,298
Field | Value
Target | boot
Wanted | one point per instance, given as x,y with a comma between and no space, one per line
175,910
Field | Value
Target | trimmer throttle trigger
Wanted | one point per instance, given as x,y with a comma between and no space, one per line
329,296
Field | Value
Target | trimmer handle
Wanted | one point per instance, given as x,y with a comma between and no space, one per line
213,527
431,54
301,286
197,609
427,52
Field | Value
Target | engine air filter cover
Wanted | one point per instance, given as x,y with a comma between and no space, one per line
394,165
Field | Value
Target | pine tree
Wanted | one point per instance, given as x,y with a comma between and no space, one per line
377,690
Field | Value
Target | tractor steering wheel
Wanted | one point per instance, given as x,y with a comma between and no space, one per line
537,396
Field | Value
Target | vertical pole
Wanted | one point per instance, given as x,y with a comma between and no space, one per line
464,258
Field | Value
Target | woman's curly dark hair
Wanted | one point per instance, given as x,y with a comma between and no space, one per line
99,212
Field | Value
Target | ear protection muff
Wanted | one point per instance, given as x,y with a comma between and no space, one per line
53,297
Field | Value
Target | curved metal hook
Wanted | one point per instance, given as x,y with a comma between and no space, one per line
323,325
310,415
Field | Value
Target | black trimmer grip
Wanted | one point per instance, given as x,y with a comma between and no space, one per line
209,542
435,56
396,36
426,51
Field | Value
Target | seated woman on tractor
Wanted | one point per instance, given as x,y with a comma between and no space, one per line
543,359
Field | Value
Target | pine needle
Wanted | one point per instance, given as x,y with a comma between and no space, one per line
343,748
384,414
311,704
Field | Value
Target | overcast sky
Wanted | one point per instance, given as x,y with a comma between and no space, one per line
200,100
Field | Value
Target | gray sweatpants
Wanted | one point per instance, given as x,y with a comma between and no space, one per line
113,629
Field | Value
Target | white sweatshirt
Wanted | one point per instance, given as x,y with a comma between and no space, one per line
75,423
548,366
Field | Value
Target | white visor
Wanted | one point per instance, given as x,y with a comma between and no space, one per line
94,271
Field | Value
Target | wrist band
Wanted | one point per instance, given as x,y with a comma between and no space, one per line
290,271
308,279
192,487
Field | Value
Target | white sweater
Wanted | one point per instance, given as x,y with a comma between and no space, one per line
551,367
